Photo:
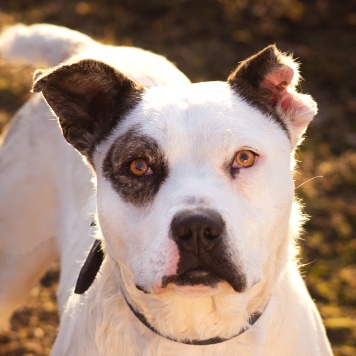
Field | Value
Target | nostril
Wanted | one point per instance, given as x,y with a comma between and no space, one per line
210,233
184,233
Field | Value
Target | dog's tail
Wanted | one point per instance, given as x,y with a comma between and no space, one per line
41,44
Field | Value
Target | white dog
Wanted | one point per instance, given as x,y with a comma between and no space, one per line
196,216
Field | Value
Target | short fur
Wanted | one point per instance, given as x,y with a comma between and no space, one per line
197,244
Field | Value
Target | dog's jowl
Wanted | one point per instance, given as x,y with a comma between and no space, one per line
195,209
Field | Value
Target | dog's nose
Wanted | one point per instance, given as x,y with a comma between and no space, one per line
197,230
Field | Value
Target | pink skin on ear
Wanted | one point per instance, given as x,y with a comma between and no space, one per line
297,109
277,83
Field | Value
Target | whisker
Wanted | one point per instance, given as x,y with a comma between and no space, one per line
140,254
307,264
280,261
309,181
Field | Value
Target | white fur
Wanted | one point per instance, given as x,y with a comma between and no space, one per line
200,127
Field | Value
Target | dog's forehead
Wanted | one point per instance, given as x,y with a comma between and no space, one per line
189,95
204,113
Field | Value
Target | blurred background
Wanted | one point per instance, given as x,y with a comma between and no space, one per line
207,39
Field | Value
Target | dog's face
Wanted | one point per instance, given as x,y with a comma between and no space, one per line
194,183
193,186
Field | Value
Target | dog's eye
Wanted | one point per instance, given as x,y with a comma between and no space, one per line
244,159
139,167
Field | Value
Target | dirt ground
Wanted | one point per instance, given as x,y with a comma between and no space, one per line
207,39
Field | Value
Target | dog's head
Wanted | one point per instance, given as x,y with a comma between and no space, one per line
194,182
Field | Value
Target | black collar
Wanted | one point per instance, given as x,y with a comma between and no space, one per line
211,341
89,271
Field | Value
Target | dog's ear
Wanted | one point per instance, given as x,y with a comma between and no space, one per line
89,98
268,81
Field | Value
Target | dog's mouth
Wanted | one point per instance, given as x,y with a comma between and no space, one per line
198,277
194,277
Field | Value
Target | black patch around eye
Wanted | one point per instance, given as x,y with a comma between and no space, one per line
234,172
138,190
229,169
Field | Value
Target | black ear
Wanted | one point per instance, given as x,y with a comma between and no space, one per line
89,98
268,82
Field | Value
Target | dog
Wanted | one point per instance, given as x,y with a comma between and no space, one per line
194,238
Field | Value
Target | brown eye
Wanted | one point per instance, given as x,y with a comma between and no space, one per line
139,167
245,158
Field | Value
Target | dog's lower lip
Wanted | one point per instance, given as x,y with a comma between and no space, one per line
197,276
193,277
197,273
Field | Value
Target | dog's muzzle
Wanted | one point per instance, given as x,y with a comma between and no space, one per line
200,236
